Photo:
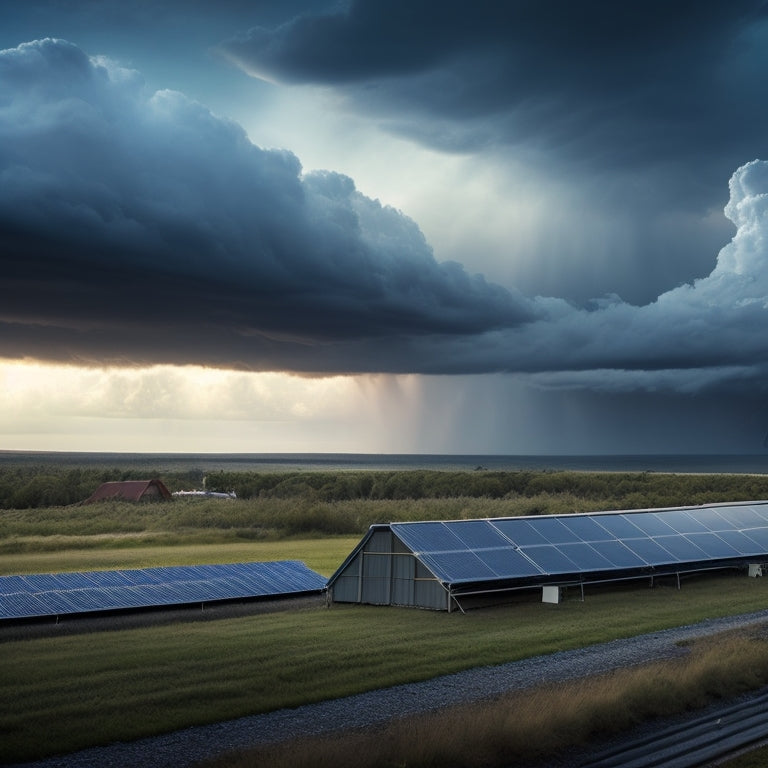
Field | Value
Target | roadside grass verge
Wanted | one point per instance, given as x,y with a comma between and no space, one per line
533,726
90,689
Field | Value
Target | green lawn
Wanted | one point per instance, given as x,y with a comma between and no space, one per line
321,555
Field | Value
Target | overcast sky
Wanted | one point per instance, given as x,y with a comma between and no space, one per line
401,226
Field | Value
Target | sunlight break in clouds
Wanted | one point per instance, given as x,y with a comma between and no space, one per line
170,409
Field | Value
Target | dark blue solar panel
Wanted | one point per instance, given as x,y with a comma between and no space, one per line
551,529
616,553
743,517
618,526
585,528
21,605
550,559
520,532
650,524
650,551
13,584
713,545
712,519
428,537
45,582
683,522
508,563
759,536
586,557
681,547
107,578
477,534
741,543
455,567
66,593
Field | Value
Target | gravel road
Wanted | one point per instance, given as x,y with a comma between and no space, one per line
184,748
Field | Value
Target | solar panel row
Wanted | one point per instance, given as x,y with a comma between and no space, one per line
56,594
511,548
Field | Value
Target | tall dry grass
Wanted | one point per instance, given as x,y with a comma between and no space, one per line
533,726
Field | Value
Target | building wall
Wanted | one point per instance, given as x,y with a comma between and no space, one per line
385,572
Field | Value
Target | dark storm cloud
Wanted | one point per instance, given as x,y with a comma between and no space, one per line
139,228
642,108
142,223
624,81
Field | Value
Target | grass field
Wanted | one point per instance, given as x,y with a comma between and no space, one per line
154,679
87,688
321,555
517,729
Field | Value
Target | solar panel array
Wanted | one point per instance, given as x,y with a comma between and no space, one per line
57,594
462,551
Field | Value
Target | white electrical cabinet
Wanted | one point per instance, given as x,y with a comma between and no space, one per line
550,594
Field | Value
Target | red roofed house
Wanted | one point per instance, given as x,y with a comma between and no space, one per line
131,490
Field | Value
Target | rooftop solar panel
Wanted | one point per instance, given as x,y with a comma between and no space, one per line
457,566
479,534
551,529
550,559
429,537
653,554
586,557
713,545
509,563
682,548
466,550
759,536
712,519
741,543
682,522
743,517
520,532
651,524
618,554
586,528
34,595
618,526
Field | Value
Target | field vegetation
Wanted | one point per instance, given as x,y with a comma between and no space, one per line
534,727
155,679
40,509
152,679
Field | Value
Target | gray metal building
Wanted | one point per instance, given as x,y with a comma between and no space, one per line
382,570
444,565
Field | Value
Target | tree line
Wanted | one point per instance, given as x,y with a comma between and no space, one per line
635,490
25,487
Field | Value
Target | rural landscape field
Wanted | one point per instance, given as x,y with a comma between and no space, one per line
98,681
331,264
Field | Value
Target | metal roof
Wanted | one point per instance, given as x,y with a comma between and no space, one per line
129,490
56,594
543,548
